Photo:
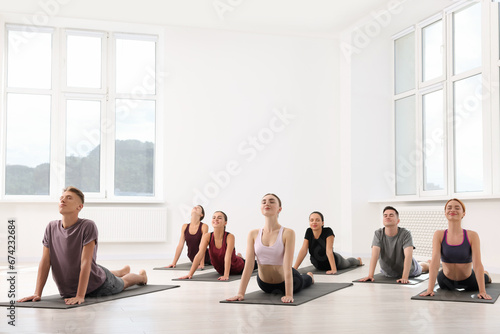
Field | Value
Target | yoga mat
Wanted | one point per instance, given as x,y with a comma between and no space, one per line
493,289
57,302
183,266
381,278
315,271
211,277
314,291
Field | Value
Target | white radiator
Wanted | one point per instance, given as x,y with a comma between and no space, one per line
128,224
422,223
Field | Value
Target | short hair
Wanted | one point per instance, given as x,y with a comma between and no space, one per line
279,201
319,213
455,199
75,191
391,208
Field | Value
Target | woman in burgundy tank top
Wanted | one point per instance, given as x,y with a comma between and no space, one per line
191,235
221,249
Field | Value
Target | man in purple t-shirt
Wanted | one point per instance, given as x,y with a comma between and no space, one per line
70,248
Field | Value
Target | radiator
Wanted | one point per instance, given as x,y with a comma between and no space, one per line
422,223
128,224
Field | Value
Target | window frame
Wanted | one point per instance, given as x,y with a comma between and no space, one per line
490,71
61,93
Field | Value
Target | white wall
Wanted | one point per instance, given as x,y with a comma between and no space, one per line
222,89
372,131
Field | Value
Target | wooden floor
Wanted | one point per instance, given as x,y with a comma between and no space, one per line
195,308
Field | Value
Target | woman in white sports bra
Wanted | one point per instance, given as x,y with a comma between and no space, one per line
273,246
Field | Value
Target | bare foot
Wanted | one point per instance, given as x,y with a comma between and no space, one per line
360,262
142,272
312,276
489,276
239,254
122,272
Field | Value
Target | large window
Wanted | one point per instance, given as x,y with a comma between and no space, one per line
81,108
442,138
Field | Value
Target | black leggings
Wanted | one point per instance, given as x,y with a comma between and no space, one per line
468,284
300,281
340,262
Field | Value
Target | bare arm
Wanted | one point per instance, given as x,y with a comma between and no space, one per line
204,230
83,280
478,265
373,264
289,241
178,250
41,279
329,255
408,251
302,254
200,255
249,265
227,257
435,261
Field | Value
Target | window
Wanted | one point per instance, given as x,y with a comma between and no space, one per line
82,109
446,151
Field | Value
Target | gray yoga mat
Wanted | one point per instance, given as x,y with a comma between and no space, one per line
211,277
315,271
314,291
493,289
381,278
183,266
57,302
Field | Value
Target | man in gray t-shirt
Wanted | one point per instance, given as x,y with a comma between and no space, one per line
70,249
393,247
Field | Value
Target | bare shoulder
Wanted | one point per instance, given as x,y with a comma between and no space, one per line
288,232
253,233
473,235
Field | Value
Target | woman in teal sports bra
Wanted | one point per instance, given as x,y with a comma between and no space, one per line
459,252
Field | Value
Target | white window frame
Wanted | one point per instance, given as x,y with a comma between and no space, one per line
490,71
58,115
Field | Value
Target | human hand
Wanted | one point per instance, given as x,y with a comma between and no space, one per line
238,297
186,277
287,299
170,266
33,298
223,278
403,281
331,272
74,300
483,295
427,293
368,278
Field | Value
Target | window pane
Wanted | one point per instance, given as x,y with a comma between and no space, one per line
134,148
433,143
84,61
432,49
135,67
467,39
28,145
83,144
468,129
406,175
404,63
29,59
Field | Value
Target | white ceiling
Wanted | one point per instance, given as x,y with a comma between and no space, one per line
297,17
